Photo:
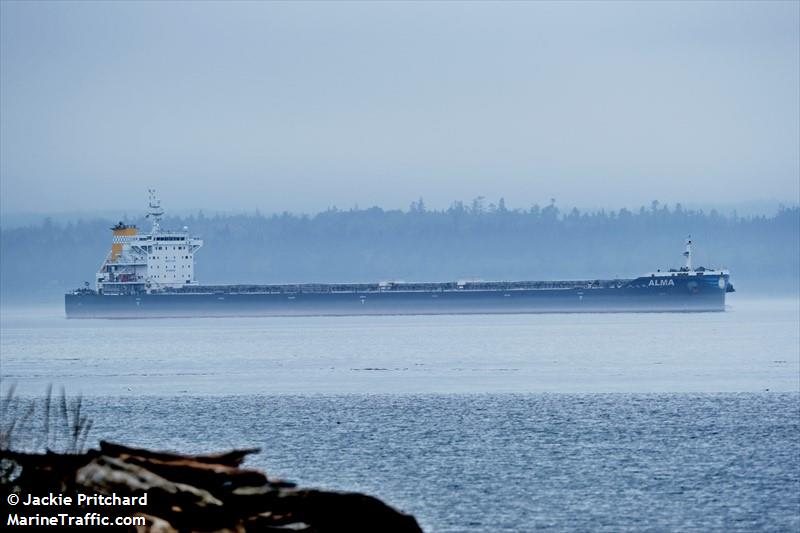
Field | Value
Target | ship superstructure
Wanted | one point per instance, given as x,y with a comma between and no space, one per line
152,275
143,263
693,277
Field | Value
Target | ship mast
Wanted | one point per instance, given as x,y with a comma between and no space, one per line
688,254
155,211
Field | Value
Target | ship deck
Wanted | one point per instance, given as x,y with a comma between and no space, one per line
455,286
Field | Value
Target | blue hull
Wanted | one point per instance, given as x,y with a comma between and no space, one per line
637,295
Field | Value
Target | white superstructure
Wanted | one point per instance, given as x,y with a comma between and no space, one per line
144,263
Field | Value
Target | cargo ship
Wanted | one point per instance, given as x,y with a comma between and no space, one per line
152,275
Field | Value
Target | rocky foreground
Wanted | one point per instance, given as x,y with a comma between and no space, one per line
195,492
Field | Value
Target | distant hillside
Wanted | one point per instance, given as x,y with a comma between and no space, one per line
39,262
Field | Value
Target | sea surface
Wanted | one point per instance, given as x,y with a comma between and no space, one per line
598,422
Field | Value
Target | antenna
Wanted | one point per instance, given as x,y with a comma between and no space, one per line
688,254
155,211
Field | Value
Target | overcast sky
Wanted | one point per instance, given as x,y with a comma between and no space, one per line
306,105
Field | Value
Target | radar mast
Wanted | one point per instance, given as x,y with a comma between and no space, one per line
688,254
155,211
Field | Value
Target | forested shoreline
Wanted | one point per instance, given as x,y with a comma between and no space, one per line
465,241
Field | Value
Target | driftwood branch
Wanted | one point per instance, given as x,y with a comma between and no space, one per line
231,458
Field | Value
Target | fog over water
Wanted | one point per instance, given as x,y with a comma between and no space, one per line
467,241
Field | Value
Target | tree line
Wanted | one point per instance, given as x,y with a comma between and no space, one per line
476,240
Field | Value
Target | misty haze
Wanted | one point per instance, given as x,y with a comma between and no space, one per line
549,255
302,106
477,240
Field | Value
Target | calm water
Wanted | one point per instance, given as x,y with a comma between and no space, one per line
471,423
753,347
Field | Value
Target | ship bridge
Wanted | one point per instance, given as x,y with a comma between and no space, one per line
137,263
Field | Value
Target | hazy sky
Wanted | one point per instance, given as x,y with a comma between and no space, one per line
306,105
